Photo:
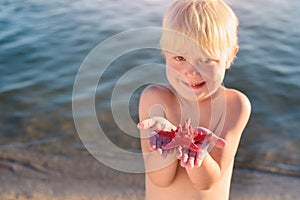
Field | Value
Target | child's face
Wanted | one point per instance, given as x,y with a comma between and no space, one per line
194,77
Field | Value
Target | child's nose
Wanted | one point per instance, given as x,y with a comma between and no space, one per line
193,73
190,70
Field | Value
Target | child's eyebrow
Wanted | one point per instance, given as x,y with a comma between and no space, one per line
211,59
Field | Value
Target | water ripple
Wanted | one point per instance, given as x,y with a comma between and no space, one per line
44,42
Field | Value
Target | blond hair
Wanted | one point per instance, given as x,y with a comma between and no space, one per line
211,24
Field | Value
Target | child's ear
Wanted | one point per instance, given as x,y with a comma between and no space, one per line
232,57
235,51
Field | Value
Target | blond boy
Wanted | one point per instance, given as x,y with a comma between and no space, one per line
199,42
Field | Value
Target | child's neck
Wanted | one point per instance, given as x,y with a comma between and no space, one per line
204,100
197,109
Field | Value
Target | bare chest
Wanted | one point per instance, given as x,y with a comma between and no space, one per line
208,115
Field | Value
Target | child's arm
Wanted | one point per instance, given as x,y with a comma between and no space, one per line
160,171
218,160
157,131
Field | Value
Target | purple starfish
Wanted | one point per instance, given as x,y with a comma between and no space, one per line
185,136
193,139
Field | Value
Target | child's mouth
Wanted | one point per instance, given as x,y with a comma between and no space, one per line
195,86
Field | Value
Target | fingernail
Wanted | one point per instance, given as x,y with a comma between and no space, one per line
159,151
140,125
153,147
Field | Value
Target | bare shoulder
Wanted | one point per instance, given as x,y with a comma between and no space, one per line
156,100
238,111
157,93
237,101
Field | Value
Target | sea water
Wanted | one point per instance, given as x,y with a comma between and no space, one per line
44,43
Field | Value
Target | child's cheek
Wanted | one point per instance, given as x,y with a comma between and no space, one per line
174,69
171,73
208,74
211,73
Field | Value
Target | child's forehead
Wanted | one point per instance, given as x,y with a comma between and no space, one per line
179,43
189,53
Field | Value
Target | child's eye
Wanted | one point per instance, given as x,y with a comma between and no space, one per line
180,58
208,60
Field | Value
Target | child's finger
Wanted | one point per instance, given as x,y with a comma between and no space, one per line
159,151
185,157
164,154
220,143
217,141
159,142
146,124
192,154
198,161
178,152
212,138
158,122
170,151
152,143
182,163
191,162
186,160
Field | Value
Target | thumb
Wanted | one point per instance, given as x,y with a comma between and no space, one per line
157,121
146,124
220,143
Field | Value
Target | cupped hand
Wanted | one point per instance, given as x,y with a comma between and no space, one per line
153,126
191,157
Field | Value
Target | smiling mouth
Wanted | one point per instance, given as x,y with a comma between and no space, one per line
195,85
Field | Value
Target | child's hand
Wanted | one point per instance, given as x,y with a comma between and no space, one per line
189,158
156,141
193,158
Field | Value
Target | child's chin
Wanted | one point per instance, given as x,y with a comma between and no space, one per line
192,95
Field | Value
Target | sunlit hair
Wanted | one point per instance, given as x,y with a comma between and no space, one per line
210,24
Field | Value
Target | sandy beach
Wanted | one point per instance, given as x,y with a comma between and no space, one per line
76,175
43,47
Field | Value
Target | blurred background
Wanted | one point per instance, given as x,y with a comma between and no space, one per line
43,43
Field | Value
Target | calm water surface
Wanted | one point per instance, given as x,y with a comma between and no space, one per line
43,44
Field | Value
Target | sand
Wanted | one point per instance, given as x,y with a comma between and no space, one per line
36,175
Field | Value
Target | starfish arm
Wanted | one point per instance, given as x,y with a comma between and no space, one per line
194,147
177,142
202,134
